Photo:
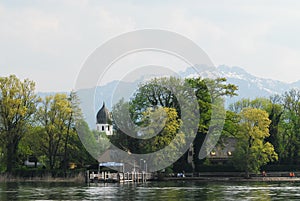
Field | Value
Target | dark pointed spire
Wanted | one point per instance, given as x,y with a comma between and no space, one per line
103,116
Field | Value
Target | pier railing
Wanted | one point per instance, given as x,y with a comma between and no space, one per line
118,177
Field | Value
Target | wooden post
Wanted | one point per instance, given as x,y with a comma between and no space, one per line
87,177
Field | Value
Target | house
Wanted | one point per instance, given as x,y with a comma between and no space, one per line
222,152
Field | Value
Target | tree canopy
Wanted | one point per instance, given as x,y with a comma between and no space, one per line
251,151
53,129
18,103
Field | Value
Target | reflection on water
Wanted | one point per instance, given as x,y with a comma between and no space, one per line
150,191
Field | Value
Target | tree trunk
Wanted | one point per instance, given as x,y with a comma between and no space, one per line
11,157
65,160
197,144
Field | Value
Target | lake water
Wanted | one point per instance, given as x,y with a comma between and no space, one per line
150,191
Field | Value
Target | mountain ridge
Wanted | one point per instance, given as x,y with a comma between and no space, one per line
250,86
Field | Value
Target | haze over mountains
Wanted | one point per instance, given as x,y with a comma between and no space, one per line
249,85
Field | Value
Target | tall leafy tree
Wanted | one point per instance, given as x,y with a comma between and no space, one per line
210,94
85,141
273,106
94,142
291,126
251,151
72,118
57,116
258,103
275,110
125,127
156,92
163,131
171,92
17,105
30,143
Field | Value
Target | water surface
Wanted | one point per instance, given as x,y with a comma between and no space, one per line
180,190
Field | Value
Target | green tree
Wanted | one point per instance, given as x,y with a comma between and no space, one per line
157,127
291,127
275,110
125,128
156,92
71,137
17,105
162,131
56,115
210,94
230,128
163,124
94,142
30,144
78,153
177,93
251,151
273,106
258,103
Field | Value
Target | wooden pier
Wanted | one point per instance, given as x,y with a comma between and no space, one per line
119,177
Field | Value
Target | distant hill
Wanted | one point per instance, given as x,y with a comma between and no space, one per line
249,85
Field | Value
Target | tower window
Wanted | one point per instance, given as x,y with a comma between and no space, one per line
103,128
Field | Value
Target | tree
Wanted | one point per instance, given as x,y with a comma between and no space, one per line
30,144
275,110
230,128
57,116
179,94
125,128
210,94
291,126
83,142
17,105
73,117
157,127
251,151
258,103
156,92
162,126
162,131
95,143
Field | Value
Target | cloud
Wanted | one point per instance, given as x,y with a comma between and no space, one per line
49,40
45,44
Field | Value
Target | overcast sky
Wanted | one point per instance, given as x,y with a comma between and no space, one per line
48,41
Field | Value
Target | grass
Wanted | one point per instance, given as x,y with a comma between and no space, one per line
78,178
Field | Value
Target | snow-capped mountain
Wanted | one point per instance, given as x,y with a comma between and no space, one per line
249,86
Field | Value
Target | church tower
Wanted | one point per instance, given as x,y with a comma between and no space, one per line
104,122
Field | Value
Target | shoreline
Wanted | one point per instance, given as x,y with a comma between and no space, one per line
81,178
197,179
233,179
75,179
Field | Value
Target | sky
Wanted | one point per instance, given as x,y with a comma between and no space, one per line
48,41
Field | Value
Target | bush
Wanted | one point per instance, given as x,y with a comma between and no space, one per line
280,168
43,173
216,168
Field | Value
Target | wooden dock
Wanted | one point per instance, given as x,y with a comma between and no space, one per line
119,177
